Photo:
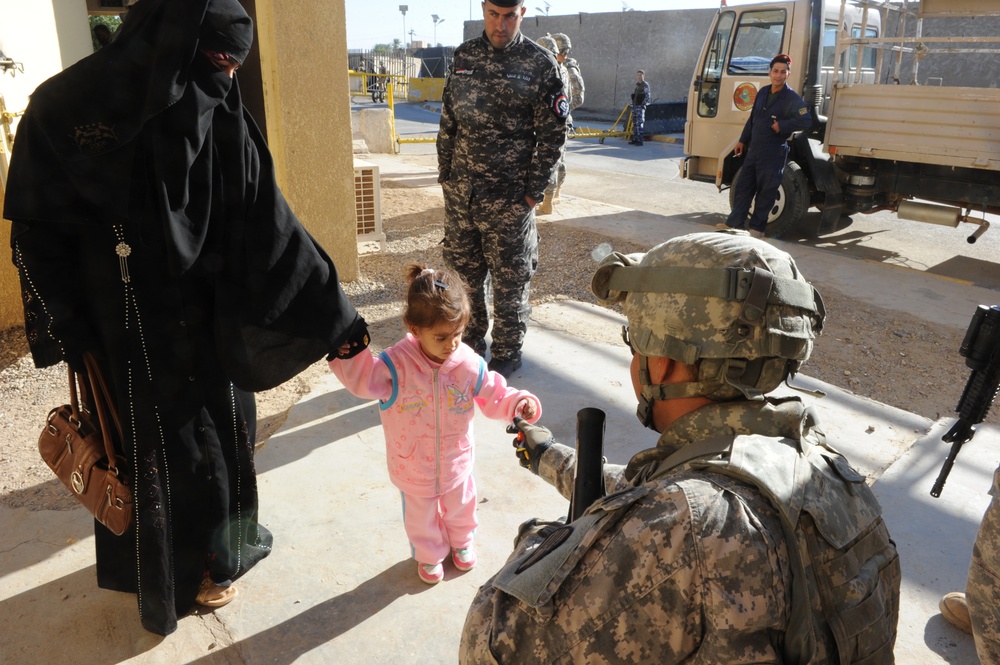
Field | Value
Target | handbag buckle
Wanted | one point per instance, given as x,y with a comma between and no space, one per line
76,478
116,503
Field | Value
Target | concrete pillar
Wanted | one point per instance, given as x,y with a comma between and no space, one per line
303,52
375,126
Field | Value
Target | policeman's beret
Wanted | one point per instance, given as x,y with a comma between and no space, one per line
505,3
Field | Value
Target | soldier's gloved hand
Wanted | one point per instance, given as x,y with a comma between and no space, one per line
530,443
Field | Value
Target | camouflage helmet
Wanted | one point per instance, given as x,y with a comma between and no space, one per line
562,41
736,307
548,42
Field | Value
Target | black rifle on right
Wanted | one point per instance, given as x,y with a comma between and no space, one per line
981,349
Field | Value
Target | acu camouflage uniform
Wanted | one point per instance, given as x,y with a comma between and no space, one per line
576,93
549,43
689,564
983,588
770,550
503,125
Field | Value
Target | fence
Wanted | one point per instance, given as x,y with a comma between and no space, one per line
395,63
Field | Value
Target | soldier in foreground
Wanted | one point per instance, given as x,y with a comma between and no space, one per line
725,542
503,125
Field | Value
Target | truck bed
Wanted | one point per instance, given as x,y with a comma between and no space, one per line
925,124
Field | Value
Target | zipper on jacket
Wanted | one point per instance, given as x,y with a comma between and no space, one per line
437,435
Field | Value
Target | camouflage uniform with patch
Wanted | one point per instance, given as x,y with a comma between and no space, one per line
983,589
503,125
684,560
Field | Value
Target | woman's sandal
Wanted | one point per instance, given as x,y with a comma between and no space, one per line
211,594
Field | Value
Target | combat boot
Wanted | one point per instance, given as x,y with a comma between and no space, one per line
955,609
545,207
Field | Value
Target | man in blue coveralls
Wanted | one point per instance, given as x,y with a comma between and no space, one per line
777,112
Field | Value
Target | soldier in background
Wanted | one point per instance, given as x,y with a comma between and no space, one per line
728,541
549,43
576,94
503,125
576,87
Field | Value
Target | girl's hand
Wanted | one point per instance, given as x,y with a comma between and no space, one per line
525,409
344,349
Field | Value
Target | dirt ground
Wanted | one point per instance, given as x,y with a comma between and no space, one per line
891,357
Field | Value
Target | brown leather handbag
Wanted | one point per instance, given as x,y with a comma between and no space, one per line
77,445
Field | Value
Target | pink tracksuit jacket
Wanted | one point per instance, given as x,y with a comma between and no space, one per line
427,410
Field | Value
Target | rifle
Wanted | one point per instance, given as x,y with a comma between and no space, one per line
588,486
981,350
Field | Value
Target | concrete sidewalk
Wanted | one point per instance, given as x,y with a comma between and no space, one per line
340,586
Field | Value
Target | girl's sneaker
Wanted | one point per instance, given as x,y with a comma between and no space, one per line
430,573
464,559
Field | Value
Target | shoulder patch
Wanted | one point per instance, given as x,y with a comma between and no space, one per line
560,106
803,110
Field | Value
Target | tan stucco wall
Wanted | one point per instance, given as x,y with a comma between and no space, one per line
303,50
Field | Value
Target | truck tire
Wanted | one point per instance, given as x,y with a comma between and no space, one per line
791,204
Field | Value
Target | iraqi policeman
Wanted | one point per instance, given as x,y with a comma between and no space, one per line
742,536
503,125
640,100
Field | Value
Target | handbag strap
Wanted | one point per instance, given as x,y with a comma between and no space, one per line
98,395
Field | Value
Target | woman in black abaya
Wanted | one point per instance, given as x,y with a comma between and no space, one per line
149,231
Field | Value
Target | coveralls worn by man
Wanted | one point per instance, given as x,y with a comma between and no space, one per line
503,125
777,112
640,100
684,560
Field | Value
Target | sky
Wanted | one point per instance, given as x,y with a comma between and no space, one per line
371,22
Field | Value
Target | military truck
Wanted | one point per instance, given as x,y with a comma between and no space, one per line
887,133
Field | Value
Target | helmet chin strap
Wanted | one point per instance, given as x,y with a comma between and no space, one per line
652,392
736,372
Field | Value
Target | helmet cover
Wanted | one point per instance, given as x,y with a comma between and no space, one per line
737,304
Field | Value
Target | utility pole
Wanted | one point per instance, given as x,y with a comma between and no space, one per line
402,10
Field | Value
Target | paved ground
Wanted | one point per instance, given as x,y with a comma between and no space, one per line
340,587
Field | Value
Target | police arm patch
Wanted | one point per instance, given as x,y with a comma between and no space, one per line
560,106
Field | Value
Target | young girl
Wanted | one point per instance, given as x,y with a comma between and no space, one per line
426,385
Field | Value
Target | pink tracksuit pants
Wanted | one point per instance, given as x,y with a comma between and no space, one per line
436,525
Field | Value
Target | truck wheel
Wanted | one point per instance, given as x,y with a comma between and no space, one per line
791,204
